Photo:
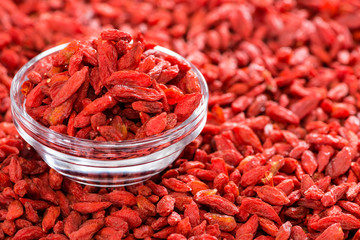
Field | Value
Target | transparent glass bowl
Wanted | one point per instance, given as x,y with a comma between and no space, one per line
105,164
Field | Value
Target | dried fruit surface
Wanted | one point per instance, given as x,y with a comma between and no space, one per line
277,159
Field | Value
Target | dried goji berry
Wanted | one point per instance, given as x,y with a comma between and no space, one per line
272,195
15,210
90,207
257,206
33,232
50,216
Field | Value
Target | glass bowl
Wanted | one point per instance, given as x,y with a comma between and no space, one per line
105,164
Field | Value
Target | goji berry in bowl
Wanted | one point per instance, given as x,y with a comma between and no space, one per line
105,163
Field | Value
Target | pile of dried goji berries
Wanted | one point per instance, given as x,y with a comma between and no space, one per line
278,158
110,89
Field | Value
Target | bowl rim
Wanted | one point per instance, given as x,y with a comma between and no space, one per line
64,140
